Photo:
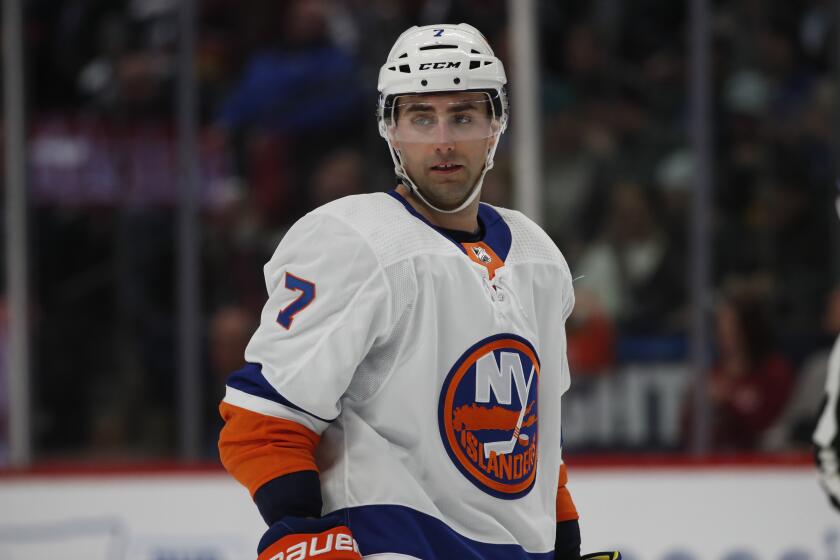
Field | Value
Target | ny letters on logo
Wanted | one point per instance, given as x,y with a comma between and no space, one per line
488,375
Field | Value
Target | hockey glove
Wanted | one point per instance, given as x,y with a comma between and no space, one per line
614,555
303,538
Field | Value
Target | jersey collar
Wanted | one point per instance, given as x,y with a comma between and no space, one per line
496,233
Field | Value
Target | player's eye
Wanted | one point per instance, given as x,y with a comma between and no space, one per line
422,121
462,119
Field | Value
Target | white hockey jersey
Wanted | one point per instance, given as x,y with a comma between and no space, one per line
826,438
433,371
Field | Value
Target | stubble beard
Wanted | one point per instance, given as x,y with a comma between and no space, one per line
446,195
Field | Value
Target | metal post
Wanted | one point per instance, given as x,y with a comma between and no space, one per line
20,436
189,378
700,277
526,109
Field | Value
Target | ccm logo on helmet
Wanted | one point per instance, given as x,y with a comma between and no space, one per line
439,65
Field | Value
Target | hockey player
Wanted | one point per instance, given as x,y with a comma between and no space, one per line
826,435
401,397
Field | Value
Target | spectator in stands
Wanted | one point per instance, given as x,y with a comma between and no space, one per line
633,269
576,149
751,381
340,174
303,81
230,329
590,336
299,92
497,188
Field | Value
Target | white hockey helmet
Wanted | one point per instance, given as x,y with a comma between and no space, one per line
435,59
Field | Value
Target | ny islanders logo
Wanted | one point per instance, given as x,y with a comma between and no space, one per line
487,415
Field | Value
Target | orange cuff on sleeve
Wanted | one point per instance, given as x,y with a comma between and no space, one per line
566,510
256,448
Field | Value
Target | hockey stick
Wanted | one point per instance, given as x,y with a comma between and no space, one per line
505,447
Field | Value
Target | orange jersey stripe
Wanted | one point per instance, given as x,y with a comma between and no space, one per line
566,510
256,448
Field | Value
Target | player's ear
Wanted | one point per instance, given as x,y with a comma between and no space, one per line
493,138
495,131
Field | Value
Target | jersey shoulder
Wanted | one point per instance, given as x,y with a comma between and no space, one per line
529,241
530,244
391,232
323,244
360,210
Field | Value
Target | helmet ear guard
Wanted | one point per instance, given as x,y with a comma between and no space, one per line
441,59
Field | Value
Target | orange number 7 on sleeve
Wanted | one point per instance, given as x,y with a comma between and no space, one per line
307,296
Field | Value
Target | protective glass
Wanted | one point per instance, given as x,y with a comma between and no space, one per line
427,120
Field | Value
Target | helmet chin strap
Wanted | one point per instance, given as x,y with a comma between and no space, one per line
399,169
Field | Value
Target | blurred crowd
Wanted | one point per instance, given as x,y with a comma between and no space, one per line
287,93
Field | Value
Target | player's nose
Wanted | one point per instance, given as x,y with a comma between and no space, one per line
444,140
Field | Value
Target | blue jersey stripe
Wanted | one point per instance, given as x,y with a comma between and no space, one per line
401,530
497,233
251,380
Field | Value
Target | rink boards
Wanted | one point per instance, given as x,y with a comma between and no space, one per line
710,512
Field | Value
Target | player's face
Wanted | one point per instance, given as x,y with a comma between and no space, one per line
443,140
